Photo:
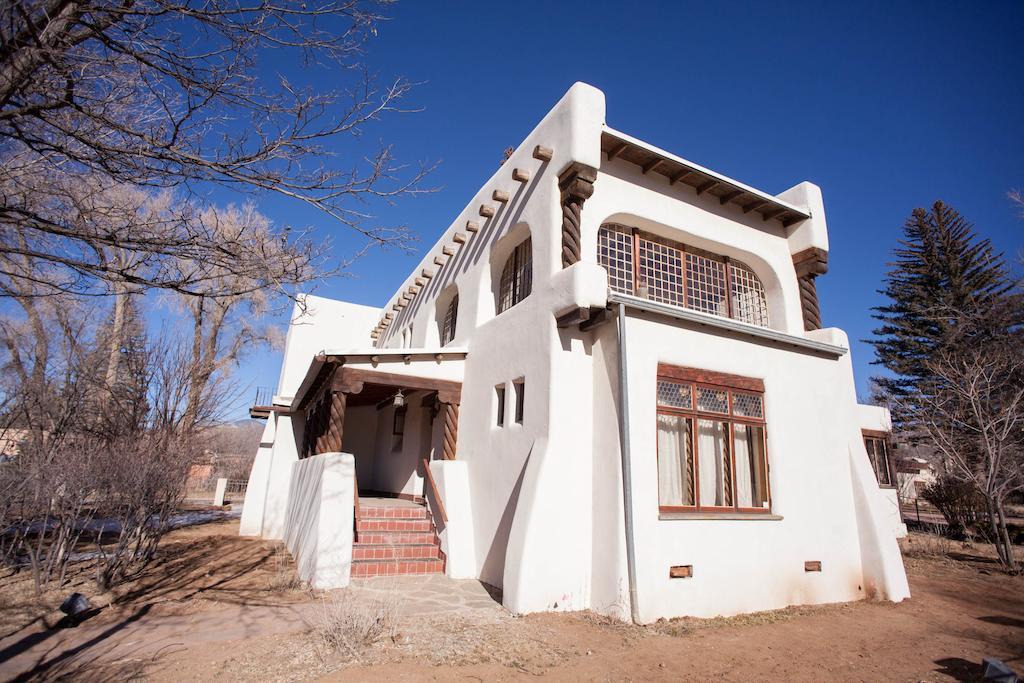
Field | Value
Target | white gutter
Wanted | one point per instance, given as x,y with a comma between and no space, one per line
727,324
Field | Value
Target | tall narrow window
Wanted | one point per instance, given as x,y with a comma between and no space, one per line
499,394
516,277
877,446
519,386
449,321
712,452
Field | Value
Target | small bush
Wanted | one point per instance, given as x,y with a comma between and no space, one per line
348,624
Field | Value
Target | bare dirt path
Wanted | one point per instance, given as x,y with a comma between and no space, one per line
221,607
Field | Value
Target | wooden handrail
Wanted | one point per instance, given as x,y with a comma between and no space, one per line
355,491
437,495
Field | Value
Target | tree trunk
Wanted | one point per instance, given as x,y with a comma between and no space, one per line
1004,536
116,334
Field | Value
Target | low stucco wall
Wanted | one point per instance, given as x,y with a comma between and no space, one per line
452,479
319,517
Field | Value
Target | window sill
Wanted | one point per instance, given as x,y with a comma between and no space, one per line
745,516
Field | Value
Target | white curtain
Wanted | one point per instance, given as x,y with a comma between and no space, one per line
711,454
673,455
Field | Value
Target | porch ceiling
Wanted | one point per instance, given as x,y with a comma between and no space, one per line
364,386
650,159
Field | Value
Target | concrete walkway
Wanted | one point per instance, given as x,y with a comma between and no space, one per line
431,594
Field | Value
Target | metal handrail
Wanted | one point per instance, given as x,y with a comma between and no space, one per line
433,488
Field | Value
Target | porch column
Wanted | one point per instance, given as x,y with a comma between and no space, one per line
451,426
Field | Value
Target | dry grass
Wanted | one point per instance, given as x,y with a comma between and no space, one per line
347,626
931,545
283,577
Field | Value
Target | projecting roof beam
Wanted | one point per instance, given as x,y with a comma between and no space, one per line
499,196
448,251
427,274
679,176
486,211
459,238
472,226
754,205
729,196
616,151
701,189
543,153
771,213
521,175
651,165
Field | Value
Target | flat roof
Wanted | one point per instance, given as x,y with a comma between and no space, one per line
617,145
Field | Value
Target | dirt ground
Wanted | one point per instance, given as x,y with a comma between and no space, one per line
217,606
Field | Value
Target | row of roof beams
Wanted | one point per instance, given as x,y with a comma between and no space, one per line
519,175
618,145
650,159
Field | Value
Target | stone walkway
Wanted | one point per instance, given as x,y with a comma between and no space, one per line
431,594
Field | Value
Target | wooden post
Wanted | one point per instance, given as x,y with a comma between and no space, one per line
809,264
451,429
576,184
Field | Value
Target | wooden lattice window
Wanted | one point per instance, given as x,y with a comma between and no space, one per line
516,277
877,446
450,320
712,443
673,273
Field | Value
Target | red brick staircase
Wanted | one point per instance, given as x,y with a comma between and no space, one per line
395,540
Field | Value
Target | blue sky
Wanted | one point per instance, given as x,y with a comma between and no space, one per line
886,107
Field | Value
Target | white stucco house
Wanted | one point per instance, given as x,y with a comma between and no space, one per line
605,387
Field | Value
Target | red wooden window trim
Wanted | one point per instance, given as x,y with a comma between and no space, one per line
731,384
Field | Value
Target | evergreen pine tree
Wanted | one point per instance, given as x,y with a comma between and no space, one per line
941,270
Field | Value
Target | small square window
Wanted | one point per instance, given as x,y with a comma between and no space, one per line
520,388
499,392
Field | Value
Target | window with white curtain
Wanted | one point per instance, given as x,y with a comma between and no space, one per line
711,440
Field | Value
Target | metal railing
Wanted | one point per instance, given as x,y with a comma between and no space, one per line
264,396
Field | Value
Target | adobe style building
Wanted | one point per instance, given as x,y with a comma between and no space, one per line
605,387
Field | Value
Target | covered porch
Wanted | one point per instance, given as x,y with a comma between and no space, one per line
394,414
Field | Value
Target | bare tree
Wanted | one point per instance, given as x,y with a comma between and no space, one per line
165,93
972,414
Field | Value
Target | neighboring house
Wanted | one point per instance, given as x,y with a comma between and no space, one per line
609,381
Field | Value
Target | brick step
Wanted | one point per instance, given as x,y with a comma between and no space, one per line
368,568
396,538
394,525
367,551
374,512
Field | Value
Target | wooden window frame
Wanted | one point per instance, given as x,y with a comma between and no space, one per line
729,265
885,438
516,278
519,407
731,384
450,321
501,396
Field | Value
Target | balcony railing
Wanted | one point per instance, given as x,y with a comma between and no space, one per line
261,405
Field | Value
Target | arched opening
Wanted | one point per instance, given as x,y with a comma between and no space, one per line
516,276
448,320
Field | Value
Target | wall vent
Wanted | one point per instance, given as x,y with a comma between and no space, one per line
812,566
684,571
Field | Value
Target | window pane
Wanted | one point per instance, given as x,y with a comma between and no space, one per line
675,461
516,277
674,394
712,400
615,253
714,463
450,320
748,300
705,284
747,405
661,272
751,469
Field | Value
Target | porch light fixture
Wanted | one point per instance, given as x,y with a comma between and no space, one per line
399,400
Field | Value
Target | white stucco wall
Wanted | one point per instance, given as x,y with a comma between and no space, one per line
325,324
544,496
319,519
457,541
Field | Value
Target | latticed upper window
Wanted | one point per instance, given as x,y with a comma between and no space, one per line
615,253
516,277
451,316
748,300
675,274
661,272
705,285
